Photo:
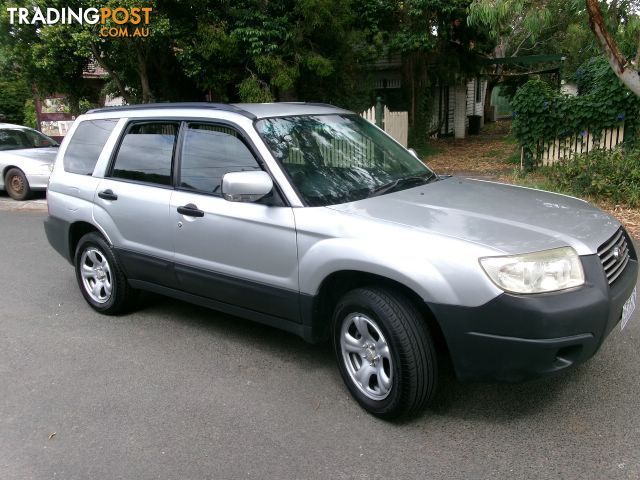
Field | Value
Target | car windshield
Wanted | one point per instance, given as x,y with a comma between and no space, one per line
20,138
339,158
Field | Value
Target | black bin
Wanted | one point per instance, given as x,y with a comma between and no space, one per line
474,124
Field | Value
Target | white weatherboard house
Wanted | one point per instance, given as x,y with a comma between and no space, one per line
454,104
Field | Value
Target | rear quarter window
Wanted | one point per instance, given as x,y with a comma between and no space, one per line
86,145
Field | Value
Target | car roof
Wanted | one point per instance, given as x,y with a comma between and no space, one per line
251,110
13,125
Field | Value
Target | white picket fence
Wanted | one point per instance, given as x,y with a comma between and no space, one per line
395,124
548,153
369,115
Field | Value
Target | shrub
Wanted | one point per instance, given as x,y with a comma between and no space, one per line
612,175
543,114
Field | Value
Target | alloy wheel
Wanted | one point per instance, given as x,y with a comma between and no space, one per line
366,356
96,275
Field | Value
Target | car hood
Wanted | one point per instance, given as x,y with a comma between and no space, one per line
39,155
506,218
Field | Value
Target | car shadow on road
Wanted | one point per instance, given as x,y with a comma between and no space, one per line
495,402
499,402
239,330
39,195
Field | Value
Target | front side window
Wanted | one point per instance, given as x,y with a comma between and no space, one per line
146,153
335,159
86,145
208,153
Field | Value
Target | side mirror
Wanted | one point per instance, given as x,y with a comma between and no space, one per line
247,186
413,152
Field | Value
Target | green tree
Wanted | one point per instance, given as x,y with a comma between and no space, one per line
14,95
544,26
435,43
43,57
627,69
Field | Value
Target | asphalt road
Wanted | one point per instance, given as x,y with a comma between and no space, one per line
175,391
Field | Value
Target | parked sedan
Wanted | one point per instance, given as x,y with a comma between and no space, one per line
26,158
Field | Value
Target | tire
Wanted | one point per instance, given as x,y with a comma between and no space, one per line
100,277
398,380
17,185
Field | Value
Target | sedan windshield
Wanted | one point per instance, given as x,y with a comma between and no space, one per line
335,159
20,138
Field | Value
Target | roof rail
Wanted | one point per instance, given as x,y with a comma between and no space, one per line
320,104
159,106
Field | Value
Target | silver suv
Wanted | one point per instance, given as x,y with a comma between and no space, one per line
308,218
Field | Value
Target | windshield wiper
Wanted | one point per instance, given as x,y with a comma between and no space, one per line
402,182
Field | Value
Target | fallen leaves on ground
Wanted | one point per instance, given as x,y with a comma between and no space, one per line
485,155
630,217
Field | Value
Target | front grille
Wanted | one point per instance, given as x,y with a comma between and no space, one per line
614,255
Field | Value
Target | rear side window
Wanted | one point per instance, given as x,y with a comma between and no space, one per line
146,153
86,145
210,151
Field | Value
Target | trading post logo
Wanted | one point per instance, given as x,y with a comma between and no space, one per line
113,22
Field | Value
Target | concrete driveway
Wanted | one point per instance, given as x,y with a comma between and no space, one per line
174,391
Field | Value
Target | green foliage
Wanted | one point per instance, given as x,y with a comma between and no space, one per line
252,90
543,114
500,15
14,94
30,119
611,175
252,50
530,27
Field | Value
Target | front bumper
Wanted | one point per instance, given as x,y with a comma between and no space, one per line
519,337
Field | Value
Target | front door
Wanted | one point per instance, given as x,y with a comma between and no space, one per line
242,254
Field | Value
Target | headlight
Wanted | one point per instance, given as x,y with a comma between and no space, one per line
539,272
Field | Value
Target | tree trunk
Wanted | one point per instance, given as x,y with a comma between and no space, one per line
147,95
619,64
74,104
499,51
116,78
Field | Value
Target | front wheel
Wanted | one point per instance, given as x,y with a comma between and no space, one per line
100,277
385,352
17,184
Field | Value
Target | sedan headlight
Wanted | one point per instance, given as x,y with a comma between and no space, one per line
538,272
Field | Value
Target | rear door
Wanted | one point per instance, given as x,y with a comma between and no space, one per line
238,253
132,201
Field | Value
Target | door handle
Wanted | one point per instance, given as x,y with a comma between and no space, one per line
190,210
108,195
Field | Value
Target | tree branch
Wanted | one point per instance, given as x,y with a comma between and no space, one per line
526,37
112,74
619,64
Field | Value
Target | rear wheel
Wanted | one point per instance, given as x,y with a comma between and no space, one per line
17,185
101,279
385,352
